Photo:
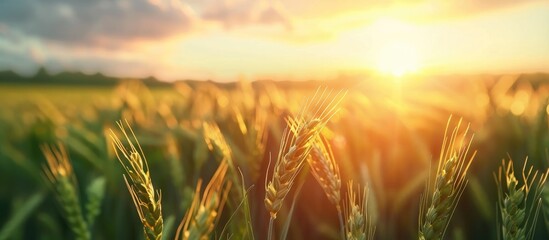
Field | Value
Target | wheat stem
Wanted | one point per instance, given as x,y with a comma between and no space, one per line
270,231
341,224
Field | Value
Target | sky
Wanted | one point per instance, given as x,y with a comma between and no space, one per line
225,40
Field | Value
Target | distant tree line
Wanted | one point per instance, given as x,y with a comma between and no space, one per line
70,78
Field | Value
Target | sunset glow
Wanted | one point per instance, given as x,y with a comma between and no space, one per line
292,40
398,59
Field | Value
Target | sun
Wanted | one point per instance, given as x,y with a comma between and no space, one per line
398,58
396,46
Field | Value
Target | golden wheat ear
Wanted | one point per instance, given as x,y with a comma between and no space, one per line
326,172
147,200
325,169
216,142
296,144
59,172
201,218
440,200
518,205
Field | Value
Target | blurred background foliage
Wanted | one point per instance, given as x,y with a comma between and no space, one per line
387,134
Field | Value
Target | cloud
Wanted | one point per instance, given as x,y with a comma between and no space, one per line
431,10
238,13
99,22
474,7
19,54
114,23
275,13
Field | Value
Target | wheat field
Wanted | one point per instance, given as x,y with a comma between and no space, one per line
369,159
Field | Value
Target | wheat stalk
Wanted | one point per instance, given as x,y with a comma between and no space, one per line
146,199
518,205
59,172
200,219
440,201
326,172
545,204
295,147
358,223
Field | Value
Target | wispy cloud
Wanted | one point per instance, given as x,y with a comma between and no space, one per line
430,9
95,22
232,14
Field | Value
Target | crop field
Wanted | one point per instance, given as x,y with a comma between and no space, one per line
461,157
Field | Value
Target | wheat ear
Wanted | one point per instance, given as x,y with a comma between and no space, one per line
200,219
254,138
358,223
95,193
439,202
518,205
326,172
215,141
295,147
59,172
146,199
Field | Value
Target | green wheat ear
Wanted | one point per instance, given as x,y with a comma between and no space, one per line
138,180
440,200
518,203
358,221
95,193
59,172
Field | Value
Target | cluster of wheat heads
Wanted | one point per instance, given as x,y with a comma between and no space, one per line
442,196
518,204
145,197
296,144
202,215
